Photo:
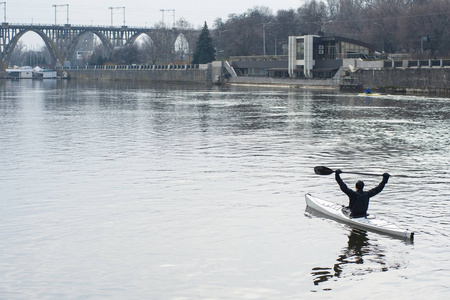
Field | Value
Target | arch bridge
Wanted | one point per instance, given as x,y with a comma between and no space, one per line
62,40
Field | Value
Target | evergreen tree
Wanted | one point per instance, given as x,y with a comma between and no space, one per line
204,50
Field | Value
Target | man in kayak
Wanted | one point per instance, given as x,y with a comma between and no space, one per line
359,199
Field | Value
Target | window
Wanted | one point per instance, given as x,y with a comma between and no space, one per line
321,49
330,51
300,50
350,49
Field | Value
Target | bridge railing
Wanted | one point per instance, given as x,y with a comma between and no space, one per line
133,67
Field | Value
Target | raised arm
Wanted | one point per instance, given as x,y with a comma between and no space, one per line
341,183
380,187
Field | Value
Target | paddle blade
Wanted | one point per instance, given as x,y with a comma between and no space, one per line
321,170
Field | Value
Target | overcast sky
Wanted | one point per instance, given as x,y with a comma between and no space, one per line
137,12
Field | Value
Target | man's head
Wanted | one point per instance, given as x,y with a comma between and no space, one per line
359,185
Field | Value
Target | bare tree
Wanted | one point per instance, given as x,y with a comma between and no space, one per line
288,23
148,51
187,37
426,27
313,16
18,55
163,43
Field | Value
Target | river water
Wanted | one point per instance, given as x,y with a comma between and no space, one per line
128,191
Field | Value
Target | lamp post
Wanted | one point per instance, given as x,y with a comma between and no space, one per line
382,36
220,43
264,37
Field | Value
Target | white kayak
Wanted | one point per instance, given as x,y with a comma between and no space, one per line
372,223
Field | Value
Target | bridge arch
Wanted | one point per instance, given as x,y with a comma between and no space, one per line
182,46
9,48
105,41
135,36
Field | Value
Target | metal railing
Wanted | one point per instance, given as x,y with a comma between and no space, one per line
132,67
421,63
259,58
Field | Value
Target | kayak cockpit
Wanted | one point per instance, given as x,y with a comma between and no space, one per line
348,213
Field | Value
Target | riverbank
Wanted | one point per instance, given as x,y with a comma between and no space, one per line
413,81
423,81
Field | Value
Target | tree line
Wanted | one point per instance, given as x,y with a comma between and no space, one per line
415,27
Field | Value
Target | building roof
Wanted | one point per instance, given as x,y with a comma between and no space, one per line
336,38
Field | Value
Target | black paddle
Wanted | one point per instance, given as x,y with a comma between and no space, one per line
321,170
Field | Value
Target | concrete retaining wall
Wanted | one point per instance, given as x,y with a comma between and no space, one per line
179,75
410,80
431,80
290,82
362,64
203,73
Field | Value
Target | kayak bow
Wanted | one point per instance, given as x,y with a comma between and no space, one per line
371,223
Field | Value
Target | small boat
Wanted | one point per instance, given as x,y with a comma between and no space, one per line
370,94
28,72
372,223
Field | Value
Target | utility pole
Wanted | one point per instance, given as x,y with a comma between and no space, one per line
264,39
112,13
4,10
67,10
275,43
173,14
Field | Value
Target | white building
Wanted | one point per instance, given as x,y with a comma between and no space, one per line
312,53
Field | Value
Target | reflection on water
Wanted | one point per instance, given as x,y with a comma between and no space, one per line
128,191
361,256
359,251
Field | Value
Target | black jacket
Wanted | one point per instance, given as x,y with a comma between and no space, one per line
359,200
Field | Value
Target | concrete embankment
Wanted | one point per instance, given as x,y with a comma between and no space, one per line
136,73
288,82
420,80
407,80
424,81
209,73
